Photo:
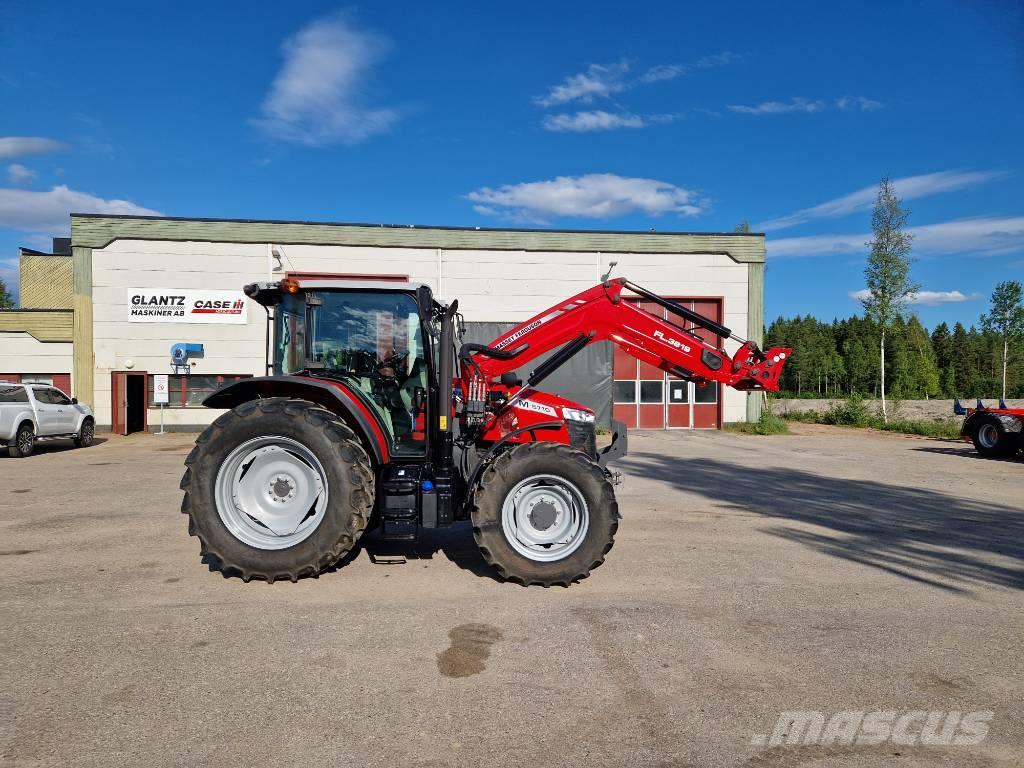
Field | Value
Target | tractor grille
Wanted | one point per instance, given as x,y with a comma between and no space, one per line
582,437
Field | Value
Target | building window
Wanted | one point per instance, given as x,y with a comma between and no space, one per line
707,393
652,392
624,392
37,378
678,391
190,391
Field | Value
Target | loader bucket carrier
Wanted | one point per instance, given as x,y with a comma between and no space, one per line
378,415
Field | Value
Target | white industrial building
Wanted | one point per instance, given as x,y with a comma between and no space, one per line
126,275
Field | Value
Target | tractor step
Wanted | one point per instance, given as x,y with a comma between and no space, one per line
399,502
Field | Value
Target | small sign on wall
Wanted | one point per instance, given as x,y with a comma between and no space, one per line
160,392
171,305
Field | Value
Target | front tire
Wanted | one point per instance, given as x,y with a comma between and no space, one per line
86,434
545,514
277,488
24,442
991,439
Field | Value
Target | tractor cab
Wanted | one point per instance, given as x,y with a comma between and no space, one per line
376,338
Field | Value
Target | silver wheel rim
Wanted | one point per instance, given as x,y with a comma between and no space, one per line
988,435
25,441
87,434
545,518
271,492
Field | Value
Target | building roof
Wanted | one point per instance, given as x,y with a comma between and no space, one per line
99,230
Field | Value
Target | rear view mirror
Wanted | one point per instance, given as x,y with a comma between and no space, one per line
74,401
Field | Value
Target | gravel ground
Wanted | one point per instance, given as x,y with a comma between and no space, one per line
827,571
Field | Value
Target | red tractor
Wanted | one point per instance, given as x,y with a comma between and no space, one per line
378,415
996,432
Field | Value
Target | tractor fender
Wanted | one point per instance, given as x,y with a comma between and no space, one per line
332,395
968,425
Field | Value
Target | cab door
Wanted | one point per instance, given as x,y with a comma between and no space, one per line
47,412
66,414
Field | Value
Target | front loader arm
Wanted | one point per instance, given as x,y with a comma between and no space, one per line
601,314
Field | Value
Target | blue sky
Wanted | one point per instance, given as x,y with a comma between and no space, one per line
686,117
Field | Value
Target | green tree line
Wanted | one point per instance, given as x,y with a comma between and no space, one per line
841,358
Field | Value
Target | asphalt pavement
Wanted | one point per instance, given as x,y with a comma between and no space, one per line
829,571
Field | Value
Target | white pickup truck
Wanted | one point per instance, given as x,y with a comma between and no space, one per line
33,412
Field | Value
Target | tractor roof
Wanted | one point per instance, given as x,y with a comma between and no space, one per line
269,293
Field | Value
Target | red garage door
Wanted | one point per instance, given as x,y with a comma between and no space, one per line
61,381
646,397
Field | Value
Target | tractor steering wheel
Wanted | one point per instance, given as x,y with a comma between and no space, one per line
393,362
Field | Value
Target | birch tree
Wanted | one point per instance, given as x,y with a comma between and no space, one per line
1005,319
887,273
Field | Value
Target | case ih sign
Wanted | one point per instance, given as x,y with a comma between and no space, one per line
186,306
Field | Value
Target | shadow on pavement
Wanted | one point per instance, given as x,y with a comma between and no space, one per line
969,453
456,543
45,447
923,535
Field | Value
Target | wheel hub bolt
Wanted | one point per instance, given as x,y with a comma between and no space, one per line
543,515
282,489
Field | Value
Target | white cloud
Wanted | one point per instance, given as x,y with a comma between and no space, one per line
598,120
797,104
717,60
20,174
595,196
857,103
981,236
598,81
317,97
602,81
908,188
21,146
48,211
800,104
663,72
672,71
924,298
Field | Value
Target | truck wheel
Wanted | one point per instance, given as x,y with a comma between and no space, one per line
545,514
24,442
991,439
86,434
277,488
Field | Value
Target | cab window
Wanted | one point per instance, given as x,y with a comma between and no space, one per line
371,339
15,394
57,397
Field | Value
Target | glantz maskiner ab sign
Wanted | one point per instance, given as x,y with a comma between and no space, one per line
174,305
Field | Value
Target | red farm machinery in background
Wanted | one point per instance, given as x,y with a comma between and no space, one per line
996,432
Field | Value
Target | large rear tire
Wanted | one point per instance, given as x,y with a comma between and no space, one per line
277,489
991,439
545,514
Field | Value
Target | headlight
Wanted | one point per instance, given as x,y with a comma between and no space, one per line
574,414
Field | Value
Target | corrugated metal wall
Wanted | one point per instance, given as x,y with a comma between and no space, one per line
585,379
